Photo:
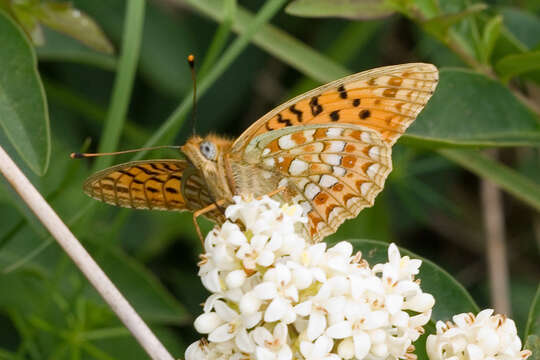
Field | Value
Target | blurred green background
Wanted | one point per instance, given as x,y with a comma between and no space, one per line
252,55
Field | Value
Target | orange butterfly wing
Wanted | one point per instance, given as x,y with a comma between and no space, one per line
386,99
153,184
332,146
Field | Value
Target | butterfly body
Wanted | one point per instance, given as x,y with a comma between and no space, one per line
330,149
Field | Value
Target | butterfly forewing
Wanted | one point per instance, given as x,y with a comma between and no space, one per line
152,184
386,99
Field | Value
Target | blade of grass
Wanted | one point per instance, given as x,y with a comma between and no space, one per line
508,179
277,42
173,123
220,38
123,84
323,69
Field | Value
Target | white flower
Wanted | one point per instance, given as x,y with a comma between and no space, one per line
319,350
272,346
233,326
278,288
277,297
486,336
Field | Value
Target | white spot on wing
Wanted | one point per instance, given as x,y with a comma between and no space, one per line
365,136
283,182
327,181
339,171
336,146
308,134
373,170
365,187
354,201
269,162
266,151
306,207
374,152
301,182
297,167
332,159
285,142
312,190
333,132
335,212
280,159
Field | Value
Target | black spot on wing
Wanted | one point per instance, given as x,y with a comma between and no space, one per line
281,120
342,92
296,112
334,115
364,114
316,108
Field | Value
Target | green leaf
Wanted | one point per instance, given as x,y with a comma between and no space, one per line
350,9
439,25
451,297
517,64
508,179
524,25
63,17
469,108
24,116
533,322
142,289
62,48
490,36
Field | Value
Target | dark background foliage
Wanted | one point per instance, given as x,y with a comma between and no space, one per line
489,96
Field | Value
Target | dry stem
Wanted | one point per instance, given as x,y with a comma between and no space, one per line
81,258
492,206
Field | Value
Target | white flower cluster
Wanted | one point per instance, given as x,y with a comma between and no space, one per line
275,296
486,336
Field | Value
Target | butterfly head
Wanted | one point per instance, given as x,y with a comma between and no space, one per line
205,151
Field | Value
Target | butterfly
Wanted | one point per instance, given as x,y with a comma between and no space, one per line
328,150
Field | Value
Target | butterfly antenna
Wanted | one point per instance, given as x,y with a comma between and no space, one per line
76,155
191,62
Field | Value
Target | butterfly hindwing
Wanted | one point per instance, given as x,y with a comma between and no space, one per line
152,184
333,171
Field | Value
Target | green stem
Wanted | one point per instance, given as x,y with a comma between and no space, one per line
172,125
123,84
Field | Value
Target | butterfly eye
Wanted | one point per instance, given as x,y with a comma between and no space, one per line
208,149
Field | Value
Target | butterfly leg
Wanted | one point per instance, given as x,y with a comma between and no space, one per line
217,205
203,211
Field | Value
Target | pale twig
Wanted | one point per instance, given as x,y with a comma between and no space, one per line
81,258
493,211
